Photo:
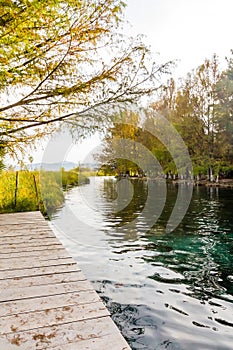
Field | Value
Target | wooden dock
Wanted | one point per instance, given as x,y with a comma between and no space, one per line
45,300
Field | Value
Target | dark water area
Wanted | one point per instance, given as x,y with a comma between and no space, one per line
164,290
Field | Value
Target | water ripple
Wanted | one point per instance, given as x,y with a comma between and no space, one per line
165,291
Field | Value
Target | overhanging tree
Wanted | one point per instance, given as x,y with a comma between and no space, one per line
64,61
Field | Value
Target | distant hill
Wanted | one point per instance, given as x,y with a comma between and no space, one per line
50,166
57,166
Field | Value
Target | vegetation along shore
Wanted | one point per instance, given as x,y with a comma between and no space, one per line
26,190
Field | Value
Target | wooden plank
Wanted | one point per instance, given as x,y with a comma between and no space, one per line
48,302
75,332
45,300
28,249
27,239
42,280
51,254
44,290
25,246
30,263
105,342
20,221
26,231
24,217
38,271
34,214
37,224
5,345
27,260
19,225
50,317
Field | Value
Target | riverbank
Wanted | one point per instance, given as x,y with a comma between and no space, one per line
227,183
223,183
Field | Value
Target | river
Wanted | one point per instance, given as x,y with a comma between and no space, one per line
164,290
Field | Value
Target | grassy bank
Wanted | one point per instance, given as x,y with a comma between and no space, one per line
26,190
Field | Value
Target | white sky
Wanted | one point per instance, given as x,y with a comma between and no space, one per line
187,30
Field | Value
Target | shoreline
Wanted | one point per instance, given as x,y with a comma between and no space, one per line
223,183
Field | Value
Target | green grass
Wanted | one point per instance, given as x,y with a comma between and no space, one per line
26,190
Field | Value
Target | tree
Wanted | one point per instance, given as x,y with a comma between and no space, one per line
192,109
120,153
207,76
64,61
132,147
187,121
152,143
196,108
177,104
2,166
224,118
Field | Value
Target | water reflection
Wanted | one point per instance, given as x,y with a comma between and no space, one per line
137,205
165,291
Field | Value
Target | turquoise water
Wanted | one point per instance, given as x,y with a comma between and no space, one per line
164,291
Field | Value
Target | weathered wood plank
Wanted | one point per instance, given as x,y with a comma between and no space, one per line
8,225
105,342
19,221
50,317
48,302
24,217
33,214
42,280
21,263
27,239
45,300
38,271
5,345
25,246
75,332
44,290
32,252
51,254
39,231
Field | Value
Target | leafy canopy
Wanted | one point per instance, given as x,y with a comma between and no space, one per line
66,61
